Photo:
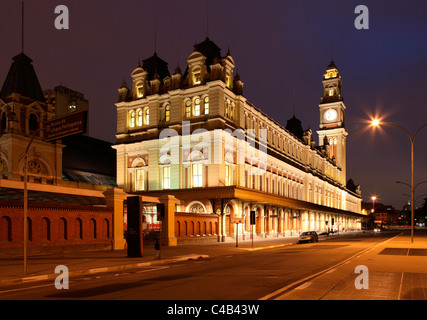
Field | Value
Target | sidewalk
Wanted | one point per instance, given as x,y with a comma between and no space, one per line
42,267
396,270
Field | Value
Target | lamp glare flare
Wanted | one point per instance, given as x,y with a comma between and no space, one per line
375,122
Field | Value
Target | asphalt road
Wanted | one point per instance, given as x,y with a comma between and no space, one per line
246,275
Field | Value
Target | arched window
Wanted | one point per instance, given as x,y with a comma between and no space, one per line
146,116
139,175
132,119
196,109
206,105
79,229
93,228
3,123
168,113
106,228
232,108
46,229
178,229
140,118
64,229
140,89
188,109
5,229
196,207
227,109
33,123
197,75
29,229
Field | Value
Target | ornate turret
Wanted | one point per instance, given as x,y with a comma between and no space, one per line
22,79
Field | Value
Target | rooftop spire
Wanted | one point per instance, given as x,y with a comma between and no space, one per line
207,19
22,79
22,26
155,31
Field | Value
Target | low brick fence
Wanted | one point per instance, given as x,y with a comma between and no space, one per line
51,225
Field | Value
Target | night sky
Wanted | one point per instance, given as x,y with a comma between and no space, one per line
280,47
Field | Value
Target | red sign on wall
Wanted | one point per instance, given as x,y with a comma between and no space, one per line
65,126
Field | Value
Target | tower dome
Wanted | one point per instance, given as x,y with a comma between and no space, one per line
294,126
22,79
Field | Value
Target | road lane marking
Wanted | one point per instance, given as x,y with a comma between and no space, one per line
156,269
303,286
298,282
28,288
400,287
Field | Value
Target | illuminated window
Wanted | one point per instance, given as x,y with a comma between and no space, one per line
197,175
196,107
227,81
140,118
232,108
333,147
188,109
227,109
206,105
139,180
197,78
132,119
72,108
140,90
331,92
168,113
331,74
166,177
228,175
147,116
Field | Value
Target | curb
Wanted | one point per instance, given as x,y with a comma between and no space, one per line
269,247
92,271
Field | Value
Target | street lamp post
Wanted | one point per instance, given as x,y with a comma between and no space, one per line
377,123
373,198
373,203
26,199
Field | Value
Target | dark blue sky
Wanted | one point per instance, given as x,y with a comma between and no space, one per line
279,47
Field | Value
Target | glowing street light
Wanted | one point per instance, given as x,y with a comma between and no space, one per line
377,123
373,198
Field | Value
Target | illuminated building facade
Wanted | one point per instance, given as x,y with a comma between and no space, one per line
194,136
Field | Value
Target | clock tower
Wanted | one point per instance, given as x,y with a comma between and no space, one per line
332,118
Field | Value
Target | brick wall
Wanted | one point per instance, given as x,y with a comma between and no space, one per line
54,225
188,225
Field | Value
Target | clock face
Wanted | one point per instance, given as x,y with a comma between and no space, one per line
330,115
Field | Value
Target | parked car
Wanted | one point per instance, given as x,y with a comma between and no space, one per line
308,236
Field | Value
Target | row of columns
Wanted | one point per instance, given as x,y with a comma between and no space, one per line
270,220
278,221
